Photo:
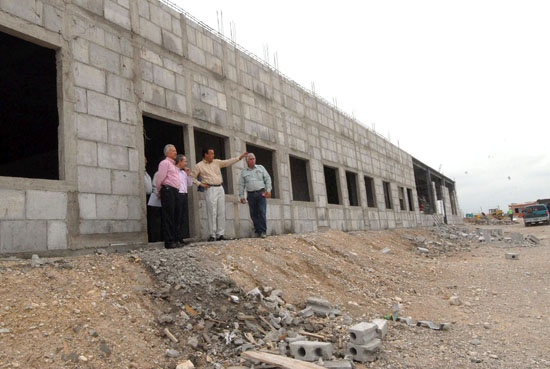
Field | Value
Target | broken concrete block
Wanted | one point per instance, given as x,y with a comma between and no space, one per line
455,300
423,250
512,256
516,237
533,239
339,364
363,333
311,350
364,353
255,292
185,365
307,312
319,306
386,250
381,327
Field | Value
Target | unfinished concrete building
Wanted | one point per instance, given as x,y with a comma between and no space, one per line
91,87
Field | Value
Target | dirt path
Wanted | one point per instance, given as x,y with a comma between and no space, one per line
104,311
504,318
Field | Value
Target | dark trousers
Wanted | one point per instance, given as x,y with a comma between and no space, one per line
154,223
183,219
170,213
258,205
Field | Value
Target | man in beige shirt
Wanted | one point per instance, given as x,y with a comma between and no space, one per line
209,169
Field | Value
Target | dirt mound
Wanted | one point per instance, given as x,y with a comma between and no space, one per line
156,308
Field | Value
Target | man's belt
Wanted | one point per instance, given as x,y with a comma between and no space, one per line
260,190
211,185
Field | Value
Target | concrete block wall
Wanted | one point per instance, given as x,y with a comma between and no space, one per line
119,60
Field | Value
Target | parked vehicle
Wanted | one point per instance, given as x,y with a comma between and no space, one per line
536,214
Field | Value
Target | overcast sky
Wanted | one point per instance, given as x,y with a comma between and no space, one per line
461,85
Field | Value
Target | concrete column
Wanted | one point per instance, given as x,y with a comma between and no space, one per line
431,191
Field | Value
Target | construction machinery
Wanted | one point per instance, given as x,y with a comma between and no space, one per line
496,213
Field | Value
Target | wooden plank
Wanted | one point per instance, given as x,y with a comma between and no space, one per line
282,361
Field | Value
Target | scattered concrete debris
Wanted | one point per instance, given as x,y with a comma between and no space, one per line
512,256
280,361
386,250
185,365
455,300
311,350
36,261
364,343
320,307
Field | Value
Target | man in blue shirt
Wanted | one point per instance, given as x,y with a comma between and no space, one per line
257,183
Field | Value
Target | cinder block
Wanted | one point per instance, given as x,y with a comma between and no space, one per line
363,333
86,153
12,205
57,235
87,206
311,350
121,88
30,10
23,235
46,205
125,183
319,306
127,226
122,134
111,156
339,364
381,327
134,207
154,94
91,128
117,14
94,180
176,102
53,18
128,112
172,42
89,77
150,31
164,77
112,207
512,256
364,353
196,55
102,105
104,58
92,5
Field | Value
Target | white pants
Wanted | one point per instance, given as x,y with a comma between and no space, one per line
215,210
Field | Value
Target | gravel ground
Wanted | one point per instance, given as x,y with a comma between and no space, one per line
112,311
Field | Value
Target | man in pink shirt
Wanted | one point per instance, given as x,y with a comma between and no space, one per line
168,184
186,182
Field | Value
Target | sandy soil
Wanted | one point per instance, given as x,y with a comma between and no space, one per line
99,311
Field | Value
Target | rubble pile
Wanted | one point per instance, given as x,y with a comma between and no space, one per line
212,321
448,239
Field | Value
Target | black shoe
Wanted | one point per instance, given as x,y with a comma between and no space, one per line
171,245
180,245
183,243
223,238
211,239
